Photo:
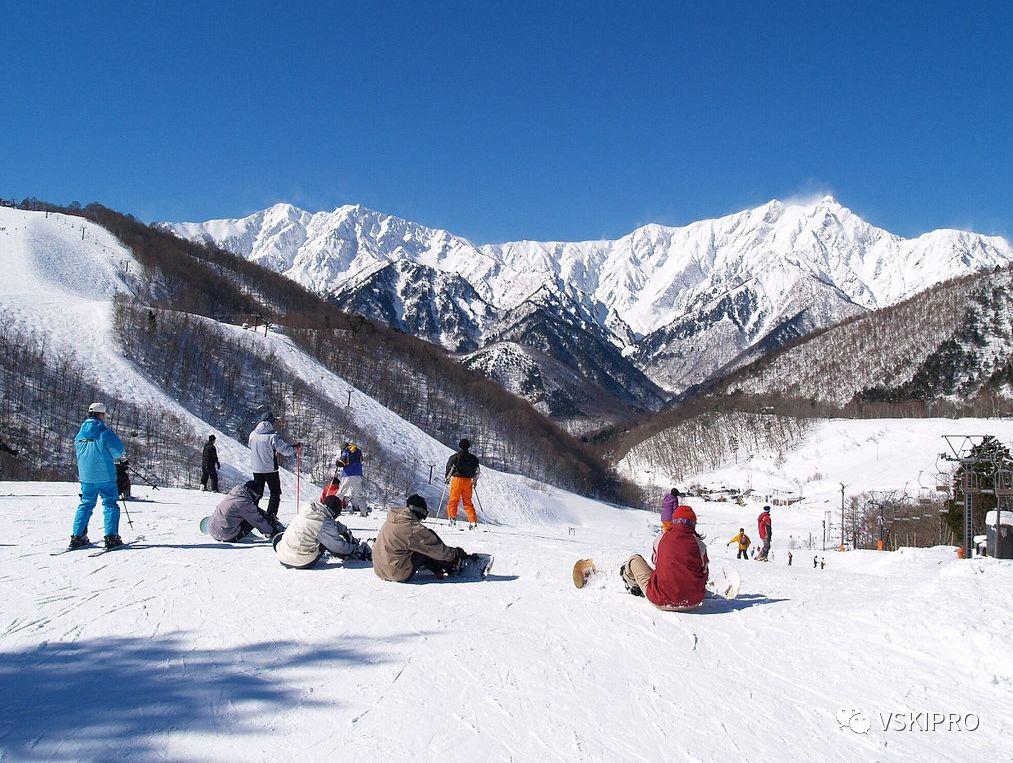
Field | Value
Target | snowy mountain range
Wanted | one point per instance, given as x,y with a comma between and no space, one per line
675,304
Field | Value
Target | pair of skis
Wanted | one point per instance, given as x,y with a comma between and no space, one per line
101,551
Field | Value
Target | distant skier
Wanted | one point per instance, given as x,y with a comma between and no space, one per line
122,477
823,562
743,540
764,527
210,465
668,507
789,558
265,445
237,515
463,471
816,560
97,448
316,529
678,581
405,546
350,462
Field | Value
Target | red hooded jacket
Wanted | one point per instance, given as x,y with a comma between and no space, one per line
763,524
680,574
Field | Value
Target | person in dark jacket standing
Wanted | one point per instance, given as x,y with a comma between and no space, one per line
97,448
210,465
462,473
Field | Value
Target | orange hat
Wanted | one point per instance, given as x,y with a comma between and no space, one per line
684,514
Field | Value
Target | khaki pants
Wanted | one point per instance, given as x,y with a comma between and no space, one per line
638,572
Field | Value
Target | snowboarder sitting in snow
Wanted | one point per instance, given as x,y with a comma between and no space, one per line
97,448
743,540
405,545
314,530
679,579
668,506
238,515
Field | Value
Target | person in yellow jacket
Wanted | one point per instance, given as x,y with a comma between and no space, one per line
743,540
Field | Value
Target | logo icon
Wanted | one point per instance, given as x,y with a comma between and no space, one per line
854,720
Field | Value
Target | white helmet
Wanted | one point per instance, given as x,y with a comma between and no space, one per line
97,408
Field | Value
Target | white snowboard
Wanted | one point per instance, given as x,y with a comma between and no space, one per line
725,583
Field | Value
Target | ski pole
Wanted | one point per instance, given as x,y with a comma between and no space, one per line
142,476
439,506
298,475
479,501
129,520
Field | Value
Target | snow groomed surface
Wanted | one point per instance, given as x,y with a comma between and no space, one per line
186,649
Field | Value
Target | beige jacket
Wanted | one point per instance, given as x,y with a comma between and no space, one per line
299,544
401,536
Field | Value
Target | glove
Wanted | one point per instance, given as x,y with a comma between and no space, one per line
297,445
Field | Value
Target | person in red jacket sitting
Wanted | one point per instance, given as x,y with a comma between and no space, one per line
678,580
764,528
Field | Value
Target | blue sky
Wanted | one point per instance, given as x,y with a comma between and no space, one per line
502,121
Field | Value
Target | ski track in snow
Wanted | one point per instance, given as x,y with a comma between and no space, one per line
186,649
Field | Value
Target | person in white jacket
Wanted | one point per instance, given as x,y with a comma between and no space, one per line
265,446
314,530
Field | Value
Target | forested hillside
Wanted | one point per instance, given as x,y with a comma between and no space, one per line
417,380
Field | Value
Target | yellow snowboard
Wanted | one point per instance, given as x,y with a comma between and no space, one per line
583,571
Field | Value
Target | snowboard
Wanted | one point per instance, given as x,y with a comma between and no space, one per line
477,565
205,525
725,583
583,571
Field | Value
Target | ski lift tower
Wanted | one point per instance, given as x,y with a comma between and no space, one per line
961,448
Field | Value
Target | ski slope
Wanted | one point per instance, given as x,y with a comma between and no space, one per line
185,649
63,274
864,454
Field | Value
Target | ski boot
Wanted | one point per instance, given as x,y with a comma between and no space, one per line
113,541
630,587
472,525
453,521
79,541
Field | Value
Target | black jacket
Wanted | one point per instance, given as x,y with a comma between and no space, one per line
210,456
462,464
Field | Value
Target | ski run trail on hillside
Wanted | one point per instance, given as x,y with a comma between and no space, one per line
186,649
62,274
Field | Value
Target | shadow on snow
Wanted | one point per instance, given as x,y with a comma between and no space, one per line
105,698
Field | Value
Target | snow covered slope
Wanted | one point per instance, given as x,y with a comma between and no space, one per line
187,649
63,284
687,299
865,454
61,275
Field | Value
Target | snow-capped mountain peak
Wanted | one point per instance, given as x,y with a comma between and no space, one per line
735,278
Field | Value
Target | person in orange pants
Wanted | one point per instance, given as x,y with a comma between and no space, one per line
462,474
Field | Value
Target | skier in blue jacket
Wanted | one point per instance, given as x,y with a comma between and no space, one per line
97,448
